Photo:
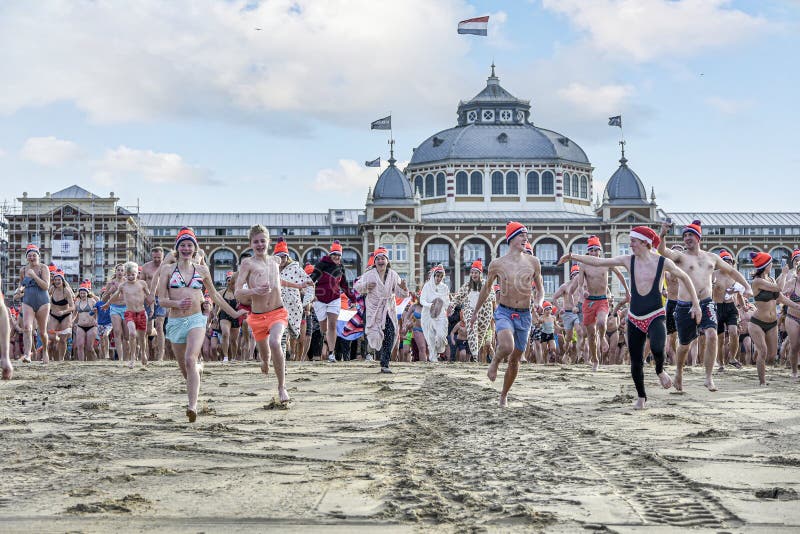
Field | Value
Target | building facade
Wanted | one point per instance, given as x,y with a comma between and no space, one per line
83,234
450,205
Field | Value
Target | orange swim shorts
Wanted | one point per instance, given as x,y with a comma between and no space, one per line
591,308
262,323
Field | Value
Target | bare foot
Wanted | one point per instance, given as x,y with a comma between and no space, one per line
678,382
8,370
595,366
283,395
709,383
192,415
130,365
491,373
26,359
666,381
639,404
504,401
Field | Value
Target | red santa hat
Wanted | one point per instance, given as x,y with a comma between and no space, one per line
31,248
228,274
694,228
336,248
281,248
546,304
594,243
795,254
477,265
760,259
725,255
371,260
574,270
645,234
308,268
380,251
529,248
513,229
86,284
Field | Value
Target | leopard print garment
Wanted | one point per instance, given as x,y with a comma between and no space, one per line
483,325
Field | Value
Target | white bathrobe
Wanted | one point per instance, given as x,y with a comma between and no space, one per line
380,304
434,329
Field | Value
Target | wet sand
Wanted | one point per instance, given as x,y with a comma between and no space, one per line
96,447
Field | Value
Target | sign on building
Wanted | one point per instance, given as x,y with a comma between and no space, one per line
66,248
70,266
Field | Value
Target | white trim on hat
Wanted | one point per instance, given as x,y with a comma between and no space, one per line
642,237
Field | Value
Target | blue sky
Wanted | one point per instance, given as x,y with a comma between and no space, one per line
186,106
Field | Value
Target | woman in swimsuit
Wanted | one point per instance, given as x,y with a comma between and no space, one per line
62,304
228,325
117,307
417,333
86,324
791,285
180,287
34,279
764,321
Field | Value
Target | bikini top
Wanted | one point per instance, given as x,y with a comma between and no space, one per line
176,280
794,297
62,302
231,302
417,315
85,309
766,296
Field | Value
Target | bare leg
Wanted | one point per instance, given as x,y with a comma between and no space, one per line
591,333
511,374
710,357
505,346
119,336
760,344
5,333
41,319
683,351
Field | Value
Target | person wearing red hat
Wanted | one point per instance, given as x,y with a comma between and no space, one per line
293,280
135,293
5,345
117,307
725,292
548,334
34,280
467,297
764,320
229,326
790,281
517,273
181,289
86,322
187,232
646,312
331,282
62,304
380,286
569,315
595,305
155,312
700,266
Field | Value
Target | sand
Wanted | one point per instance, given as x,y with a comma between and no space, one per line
97,447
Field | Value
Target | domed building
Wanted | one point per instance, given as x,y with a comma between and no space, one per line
463,184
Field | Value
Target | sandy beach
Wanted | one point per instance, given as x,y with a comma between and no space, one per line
97,447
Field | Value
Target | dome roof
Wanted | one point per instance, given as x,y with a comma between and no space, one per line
625,187
393,187
512,142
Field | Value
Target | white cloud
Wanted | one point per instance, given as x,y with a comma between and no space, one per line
125,163
595,102
351,176
729,106
330,61
2,153
645,30
50,151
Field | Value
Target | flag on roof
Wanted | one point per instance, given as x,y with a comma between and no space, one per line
615,121
476,26
374,163
382,124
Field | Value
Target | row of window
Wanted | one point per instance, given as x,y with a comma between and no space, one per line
502,183
240,231
744,230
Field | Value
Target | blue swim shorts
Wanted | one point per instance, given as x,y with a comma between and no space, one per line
178,327
517,320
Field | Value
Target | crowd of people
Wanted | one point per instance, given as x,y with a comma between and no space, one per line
682,305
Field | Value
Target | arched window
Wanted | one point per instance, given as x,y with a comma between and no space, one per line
547,183
584,187
533,183
567,178
440,184
429,186
476,185
512,183
462,185
419,186
497,183
575,185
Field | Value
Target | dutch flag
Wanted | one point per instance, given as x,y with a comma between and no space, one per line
476,26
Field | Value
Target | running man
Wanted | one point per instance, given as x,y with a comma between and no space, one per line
595,305
516,273
268,317
646,313
135,293
569,316
725,293
155,312
700,266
